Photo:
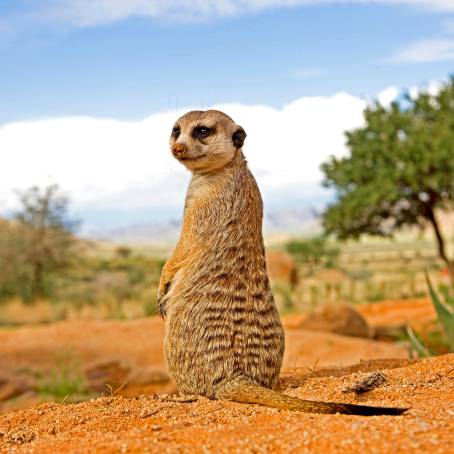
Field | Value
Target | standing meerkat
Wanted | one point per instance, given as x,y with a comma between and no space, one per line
223,335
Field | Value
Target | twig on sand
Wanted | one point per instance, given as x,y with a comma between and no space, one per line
220,407
112,392
314,367
147,414
368,383
178,399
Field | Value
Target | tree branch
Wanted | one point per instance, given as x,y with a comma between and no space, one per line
440,240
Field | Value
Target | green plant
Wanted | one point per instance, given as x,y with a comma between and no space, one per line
417,344
313,252
360,274
445,316
283,296
65,379
447,292
399,171
37,247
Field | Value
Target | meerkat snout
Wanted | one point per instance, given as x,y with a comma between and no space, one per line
178,149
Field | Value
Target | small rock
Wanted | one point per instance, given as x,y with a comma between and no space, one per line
337,319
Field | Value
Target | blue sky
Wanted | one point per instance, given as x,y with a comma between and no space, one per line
89,90
134,66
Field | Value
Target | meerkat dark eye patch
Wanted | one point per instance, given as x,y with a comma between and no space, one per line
238,137
202,132
176,131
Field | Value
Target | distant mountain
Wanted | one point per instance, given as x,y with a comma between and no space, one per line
283,221
158,233
303,220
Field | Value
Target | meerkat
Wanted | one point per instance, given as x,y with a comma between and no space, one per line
223,334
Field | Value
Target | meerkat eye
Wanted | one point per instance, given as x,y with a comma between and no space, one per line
176,131
201,132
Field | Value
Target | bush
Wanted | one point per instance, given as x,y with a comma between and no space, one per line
314,252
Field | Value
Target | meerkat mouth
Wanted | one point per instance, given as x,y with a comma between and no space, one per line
194,158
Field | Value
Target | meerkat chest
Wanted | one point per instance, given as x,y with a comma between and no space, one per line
200,190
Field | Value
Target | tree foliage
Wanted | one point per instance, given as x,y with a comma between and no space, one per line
399,172
37,244
14,268
313,252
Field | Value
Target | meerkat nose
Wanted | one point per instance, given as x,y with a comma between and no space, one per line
179,149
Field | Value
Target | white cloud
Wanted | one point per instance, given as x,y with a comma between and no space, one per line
425,51
388,95
115,165
84,13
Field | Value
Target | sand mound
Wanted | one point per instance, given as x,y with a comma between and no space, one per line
337,319
150,424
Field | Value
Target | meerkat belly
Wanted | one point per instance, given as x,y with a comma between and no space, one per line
214,338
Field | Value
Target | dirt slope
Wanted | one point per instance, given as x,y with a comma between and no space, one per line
415,312
139,343
148,424
129,355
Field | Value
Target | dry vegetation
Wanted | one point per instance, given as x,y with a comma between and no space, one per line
102,283
121,282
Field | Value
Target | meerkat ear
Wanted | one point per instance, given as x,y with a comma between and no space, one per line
238,137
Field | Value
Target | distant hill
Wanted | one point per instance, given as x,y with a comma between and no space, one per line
278,222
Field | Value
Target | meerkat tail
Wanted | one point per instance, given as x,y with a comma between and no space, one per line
246,392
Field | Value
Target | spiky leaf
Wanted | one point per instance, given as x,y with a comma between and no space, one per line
445,314
417,344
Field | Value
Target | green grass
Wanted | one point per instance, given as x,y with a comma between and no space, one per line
64,381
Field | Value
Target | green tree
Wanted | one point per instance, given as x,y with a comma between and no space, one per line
47,235
399,172
14,269
313,252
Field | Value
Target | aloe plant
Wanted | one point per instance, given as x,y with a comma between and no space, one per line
445,315
417,344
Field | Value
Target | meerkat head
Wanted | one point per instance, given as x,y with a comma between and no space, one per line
206,140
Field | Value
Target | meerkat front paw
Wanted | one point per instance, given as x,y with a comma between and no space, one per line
162,292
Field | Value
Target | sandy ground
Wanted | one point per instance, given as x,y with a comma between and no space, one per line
148,424
123,360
